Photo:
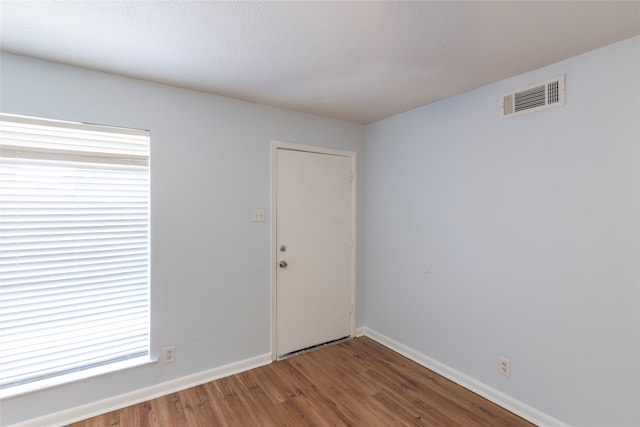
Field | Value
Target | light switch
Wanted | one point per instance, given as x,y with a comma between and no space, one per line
257,215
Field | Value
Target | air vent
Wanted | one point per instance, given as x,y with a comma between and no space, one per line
540,96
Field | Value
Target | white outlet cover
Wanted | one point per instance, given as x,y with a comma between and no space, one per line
504,366
169,354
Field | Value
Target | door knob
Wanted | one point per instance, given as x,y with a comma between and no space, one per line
283,264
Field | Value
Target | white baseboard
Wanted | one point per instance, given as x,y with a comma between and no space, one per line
525,411
122,401
360,331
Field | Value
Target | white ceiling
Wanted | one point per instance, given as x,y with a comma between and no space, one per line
355,61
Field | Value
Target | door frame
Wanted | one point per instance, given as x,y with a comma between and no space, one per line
275,146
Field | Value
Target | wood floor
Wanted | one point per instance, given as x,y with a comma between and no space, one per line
354,383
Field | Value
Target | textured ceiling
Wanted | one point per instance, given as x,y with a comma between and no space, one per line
354,61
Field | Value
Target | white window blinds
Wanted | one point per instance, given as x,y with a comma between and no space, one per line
74,247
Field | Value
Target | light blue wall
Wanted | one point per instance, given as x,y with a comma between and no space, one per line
210,163
529,229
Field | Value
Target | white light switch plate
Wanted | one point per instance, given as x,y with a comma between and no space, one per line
257,215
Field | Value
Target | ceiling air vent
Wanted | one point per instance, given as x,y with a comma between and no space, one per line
540,96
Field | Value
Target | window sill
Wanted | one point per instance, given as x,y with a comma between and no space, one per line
74,377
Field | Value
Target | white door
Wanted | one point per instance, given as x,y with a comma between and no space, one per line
313,246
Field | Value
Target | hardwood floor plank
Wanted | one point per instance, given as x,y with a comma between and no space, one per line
198,407
343,392
354,383
170,411
232,411
272,385
440,391
136,415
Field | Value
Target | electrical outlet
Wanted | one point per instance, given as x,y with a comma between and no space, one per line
169,354
504,366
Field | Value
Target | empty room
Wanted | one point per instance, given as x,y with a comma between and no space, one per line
319,213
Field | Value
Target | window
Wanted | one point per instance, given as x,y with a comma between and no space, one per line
74,248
